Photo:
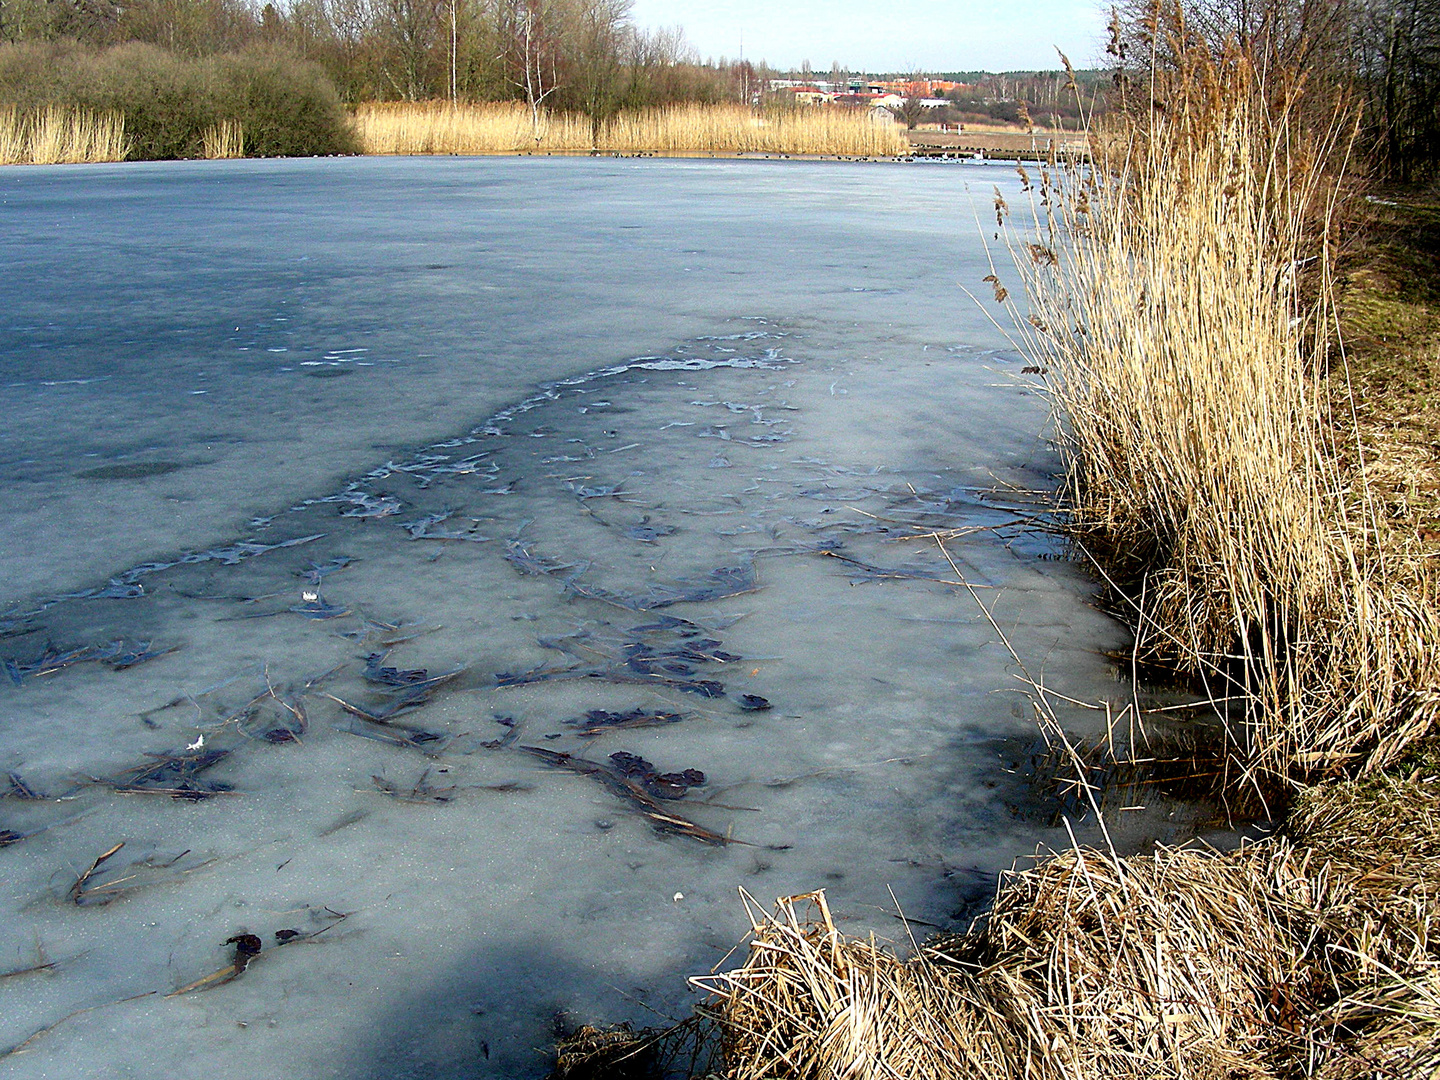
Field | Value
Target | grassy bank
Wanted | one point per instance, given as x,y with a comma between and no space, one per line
1306,955
1388,292
1311,954
507,128
1247,402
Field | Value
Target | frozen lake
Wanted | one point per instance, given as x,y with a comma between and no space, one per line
473,572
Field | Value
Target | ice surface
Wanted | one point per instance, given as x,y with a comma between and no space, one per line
625,453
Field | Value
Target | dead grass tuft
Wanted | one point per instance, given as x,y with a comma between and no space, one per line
624,1053
809,1002
1383,835
1271,961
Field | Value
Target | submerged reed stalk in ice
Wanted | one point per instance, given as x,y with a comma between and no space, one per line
500,128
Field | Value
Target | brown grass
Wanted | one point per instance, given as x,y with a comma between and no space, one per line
61,136
506,128
1221,477
1181,299
1389,309
1287,958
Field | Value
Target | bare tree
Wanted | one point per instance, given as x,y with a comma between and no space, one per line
1321,58
911,110
1285,39
1398,55
530,31
454,52
411,27
660,64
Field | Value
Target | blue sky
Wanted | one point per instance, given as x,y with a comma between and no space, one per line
903,35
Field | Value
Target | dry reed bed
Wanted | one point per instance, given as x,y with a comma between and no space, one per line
1287,958
65,136
1180,299
61,136
506,128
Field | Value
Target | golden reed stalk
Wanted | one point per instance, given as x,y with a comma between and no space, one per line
225,140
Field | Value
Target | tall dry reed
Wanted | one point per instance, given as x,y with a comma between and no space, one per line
59,135
1180,299
225,140
505,128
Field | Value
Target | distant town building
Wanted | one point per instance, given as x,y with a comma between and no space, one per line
810,95
919,88
885,94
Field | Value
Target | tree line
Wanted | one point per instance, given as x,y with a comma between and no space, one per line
1374,62
580,55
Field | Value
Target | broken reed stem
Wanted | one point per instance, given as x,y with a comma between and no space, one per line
1180,298
78,892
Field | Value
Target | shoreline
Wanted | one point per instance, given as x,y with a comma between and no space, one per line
918,154
78,136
